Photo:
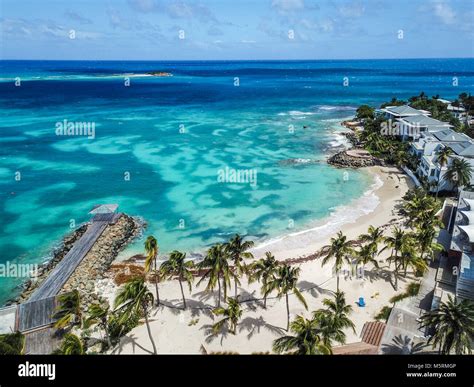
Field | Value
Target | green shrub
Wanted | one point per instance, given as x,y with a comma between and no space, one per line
384,314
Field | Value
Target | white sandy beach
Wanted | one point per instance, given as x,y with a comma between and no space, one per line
178,331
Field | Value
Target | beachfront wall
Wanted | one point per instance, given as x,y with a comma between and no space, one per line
8,319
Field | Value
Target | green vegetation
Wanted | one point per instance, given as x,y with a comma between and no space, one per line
71,345
365,112
151,248
453,325
316,336
177,266
134,299
68,313
232,315
284,282
12,344
384,314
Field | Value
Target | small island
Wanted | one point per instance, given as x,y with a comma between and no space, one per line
159,74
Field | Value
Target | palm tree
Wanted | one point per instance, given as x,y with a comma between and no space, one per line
365,255
373,237
177,265
232,315
459,173
425,235
98,315
306,341
443,155
237,251
334,319
340,249
151,248
419,207
68,313
402,247
410,258
134,299
453,324
264,270
284,282
395,242
71,345
217,265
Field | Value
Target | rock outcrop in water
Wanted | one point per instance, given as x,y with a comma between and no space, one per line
353,158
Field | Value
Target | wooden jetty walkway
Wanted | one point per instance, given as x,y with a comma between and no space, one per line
64,269
38,310
34,317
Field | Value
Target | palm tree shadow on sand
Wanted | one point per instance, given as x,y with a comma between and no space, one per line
314,290
130,339
211,336
254,325
403,345
196,308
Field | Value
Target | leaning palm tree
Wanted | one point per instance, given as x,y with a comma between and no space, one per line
340,249
284,282
453,324
151,248
306,340
71,345
68,312
231,314
236,248
334,319
134,299
459,173
98,315
443,155
217,267
177,266
264,271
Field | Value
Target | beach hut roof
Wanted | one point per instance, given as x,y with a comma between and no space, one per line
104,209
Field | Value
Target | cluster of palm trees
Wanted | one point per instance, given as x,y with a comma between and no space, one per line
317,335
225,265
410,248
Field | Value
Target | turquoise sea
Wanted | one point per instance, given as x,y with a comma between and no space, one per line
160,143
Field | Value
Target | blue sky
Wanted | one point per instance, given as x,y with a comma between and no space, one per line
238,29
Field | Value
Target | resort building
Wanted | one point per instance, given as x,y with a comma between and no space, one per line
426,149
395,112
457,111
461,250
413,126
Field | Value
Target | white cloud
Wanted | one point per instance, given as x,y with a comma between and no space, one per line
443,11
288,5
351,10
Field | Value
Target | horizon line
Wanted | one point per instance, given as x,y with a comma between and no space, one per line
231,60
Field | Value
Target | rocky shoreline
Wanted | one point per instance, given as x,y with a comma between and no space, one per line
356,156
94,265
345,159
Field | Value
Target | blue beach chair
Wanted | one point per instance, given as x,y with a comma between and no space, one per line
361,302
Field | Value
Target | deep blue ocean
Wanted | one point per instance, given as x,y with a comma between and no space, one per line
160,142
